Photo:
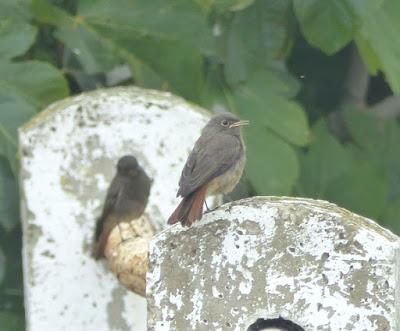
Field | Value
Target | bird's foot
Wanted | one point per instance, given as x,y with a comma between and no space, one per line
208,210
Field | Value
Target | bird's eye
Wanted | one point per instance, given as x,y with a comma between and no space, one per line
224,123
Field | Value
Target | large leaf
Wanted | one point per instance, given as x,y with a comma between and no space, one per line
25,87
234,5
272,165
391,218
343,175
379,42
11,322
15,111
162,42
363,189
379,143
175,63
2,265
324,162
16,32
261,101
8,198
170,20
36,82
331,24
255,40
94,52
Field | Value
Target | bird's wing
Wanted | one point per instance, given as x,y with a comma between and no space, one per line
111,199
208,160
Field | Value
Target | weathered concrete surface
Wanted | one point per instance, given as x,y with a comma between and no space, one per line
318,265
68,157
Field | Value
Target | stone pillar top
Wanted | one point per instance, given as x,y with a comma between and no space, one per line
310,262
68,157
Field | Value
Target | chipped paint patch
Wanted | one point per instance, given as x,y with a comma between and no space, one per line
68,157
308,261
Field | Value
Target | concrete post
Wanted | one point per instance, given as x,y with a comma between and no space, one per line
263,260
68,156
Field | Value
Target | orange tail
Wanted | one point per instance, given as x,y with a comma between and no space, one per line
101,242
190,208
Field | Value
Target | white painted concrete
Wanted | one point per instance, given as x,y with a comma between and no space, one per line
68,157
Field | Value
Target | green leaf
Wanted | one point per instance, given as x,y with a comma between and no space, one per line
272,165
36,82
324,162
234,5
330,25
180,64
379,144
255,40
174,20
8,198
344,175
94,52
260,102
363,189
2,265
162,42
25,88
368,54
16,32
380,31
11,322
15,112
391,218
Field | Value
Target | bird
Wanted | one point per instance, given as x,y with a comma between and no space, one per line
214,166
126,199
274,324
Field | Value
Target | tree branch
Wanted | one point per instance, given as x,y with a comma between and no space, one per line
386,109
357,81
355,95
356,88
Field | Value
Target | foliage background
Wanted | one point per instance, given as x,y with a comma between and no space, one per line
319,80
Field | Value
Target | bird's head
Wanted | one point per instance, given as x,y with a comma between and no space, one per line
128,166
226,123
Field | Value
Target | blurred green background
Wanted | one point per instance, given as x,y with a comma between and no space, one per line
317,78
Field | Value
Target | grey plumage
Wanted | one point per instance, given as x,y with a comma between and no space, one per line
214,166
126,200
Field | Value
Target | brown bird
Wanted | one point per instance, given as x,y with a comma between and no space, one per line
126,200
214,166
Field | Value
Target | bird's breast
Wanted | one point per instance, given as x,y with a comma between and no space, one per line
226,182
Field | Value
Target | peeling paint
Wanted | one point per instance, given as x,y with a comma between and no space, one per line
68,156
115,319
308,261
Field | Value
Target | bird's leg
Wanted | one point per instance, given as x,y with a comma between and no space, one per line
208,209
120,233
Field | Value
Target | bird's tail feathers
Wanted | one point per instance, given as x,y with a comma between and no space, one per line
190,208
101,241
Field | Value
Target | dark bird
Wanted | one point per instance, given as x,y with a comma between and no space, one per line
214,166
126,200
274,324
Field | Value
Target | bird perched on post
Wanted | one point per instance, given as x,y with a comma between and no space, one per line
126,200
214,166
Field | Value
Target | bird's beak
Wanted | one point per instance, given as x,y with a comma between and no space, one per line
239,123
